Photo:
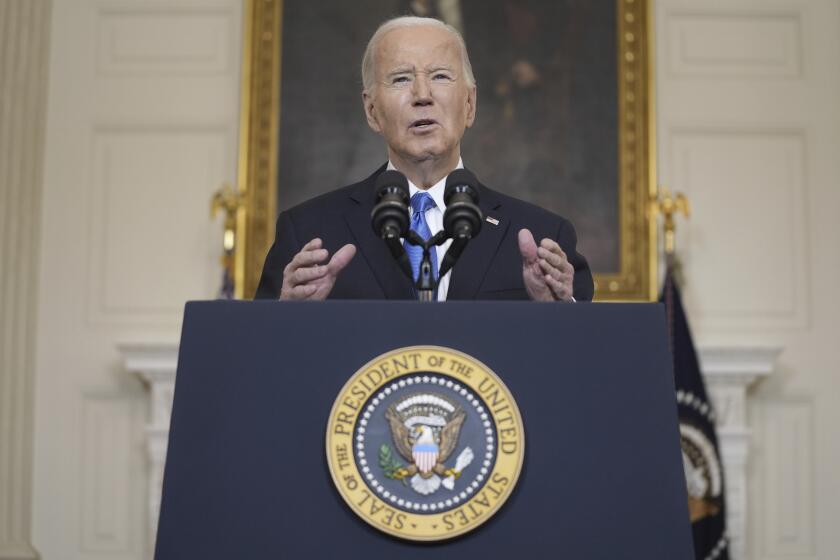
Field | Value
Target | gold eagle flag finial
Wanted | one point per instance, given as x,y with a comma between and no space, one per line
228,200
669,206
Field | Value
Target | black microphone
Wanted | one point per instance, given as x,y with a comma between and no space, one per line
389,217
462,218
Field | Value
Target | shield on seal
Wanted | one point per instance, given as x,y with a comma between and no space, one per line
425,450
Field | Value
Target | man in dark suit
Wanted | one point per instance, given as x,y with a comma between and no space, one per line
420,95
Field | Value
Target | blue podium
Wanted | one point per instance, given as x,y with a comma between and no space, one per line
247,473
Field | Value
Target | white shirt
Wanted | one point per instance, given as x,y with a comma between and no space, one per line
434,217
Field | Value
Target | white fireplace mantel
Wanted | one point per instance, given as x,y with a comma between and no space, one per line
155,363
729,372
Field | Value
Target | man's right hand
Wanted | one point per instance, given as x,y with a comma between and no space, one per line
307,277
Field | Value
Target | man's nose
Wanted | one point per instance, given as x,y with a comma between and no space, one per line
422,90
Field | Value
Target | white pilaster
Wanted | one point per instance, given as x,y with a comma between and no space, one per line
24,34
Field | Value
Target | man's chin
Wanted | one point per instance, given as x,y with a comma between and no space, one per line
427,153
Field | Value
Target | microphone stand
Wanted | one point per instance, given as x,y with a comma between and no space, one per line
426,282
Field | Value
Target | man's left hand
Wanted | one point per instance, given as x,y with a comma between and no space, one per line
547,273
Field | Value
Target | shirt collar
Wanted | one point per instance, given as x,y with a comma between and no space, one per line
436,191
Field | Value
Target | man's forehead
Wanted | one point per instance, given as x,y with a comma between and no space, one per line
420,45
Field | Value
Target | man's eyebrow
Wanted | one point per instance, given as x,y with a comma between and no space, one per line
400,70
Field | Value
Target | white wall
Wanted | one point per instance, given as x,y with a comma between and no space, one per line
749,130
143,113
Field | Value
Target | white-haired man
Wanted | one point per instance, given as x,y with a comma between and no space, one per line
420,95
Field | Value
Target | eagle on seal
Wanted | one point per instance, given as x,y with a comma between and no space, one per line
418,446
425,428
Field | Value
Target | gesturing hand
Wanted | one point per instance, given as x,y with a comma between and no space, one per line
547,273
307,277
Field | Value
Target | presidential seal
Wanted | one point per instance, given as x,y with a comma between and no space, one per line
425,443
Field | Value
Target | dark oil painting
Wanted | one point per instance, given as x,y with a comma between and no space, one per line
547,123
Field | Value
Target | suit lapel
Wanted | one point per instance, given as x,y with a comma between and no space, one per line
472,267
391,279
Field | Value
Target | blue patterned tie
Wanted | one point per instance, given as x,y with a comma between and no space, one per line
421,202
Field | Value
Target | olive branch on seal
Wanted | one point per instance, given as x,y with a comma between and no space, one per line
390,465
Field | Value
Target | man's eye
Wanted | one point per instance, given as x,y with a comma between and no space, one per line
442,76
400,80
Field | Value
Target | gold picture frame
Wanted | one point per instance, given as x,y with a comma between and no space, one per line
636,279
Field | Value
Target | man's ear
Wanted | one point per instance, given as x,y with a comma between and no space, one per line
370,112
472,99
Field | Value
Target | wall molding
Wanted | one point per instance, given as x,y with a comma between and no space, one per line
694,157
116,294
158,40
24,54
739,45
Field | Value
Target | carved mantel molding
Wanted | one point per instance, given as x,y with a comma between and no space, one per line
155,363
729,373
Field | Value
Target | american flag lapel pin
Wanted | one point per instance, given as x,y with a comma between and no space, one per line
493,221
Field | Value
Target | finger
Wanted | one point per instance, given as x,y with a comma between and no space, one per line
557,260
548,268
298,292
312,245
308,274
527,247
551,245
341,258
560,290
309,258
303,291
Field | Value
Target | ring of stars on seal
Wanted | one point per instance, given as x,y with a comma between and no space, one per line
425,443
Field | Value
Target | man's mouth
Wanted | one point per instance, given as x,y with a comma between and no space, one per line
423,124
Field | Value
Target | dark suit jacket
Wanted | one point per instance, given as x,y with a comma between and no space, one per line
489,268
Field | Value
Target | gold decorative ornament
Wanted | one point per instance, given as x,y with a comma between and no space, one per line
228,200
669,206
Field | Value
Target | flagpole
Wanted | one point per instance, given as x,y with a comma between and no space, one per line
698,439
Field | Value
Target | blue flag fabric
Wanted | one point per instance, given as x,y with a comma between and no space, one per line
698,439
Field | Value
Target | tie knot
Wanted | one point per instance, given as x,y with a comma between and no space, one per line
422,201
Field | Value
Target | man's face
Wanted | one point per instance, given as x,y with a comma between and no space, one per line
420,101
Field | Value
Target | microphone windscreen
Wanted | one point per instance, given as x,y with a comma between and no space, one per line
391,178
461,178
